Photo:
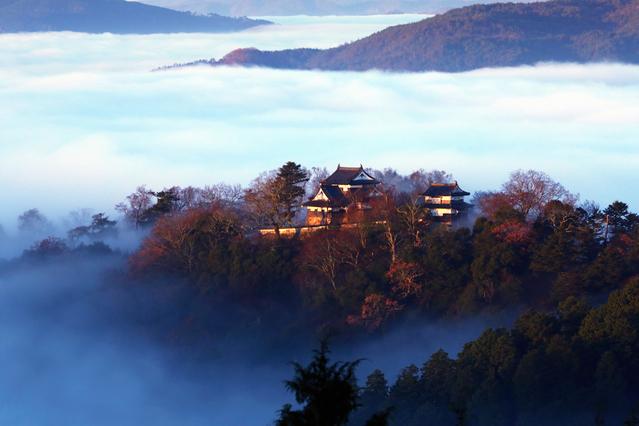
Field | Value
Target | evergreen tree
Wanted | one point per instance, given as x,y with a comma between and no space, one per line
102,226
275,197
290,181
405,394
327,392
167,202
373,398
619,219
376,390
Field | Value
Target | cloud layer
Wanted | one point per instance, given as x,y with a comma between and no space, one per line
83,121
78,350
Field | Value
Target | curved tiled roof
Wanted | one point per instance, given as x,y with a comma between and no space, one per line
459,205
335,198
444,190
348,176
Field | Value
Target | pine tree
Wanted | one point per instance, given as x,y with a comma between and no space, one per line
327,392
290,181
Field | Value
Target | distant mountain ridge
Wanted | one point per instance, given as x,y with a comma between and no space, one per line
468,38
114,16
314,7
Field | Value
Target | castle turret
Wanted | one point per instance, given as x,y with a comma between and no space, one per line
445,202
347,189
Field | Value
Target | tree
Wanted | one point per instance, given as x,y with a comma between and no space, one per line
438,376
490,203
136,206
415,183
404,277
385,210
50,246
616,322
422,179
32,221
275,197
530,191
618,219
226,195
375,392
180,243
327,391
290,183
375,311
168,201
101,226
569,238
499,258
405,394
414,220
320,254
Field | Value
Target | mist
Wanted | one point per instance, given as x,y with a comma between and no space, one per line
71,356
82,345
83,120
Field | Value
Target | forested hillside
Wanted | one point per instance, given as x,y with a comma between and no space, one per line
576,365
113,16
311,7
529,244
204,278
496,35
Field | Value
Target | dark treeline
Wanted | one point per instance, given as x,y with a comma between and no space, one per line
576,365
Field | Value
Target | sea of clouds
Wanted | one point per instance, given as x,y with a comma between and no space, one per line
83,121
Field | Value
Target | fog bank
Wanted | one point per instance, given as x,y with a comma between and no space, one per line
83,121
79,349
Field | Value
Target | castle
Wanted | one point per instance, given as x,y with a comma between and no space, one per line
444,202
348,195
343,197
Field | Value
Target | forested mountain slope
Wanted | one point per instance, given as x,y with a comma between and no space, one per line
314,7
115,16
479,36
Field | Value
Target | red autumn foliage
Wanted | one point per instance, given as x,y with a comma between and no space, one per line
159,246
376,310
513,232
624,244
491,203
176,241
404,278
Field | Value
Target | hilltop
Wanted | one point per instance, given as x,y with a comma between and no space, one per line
479,36
114,16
